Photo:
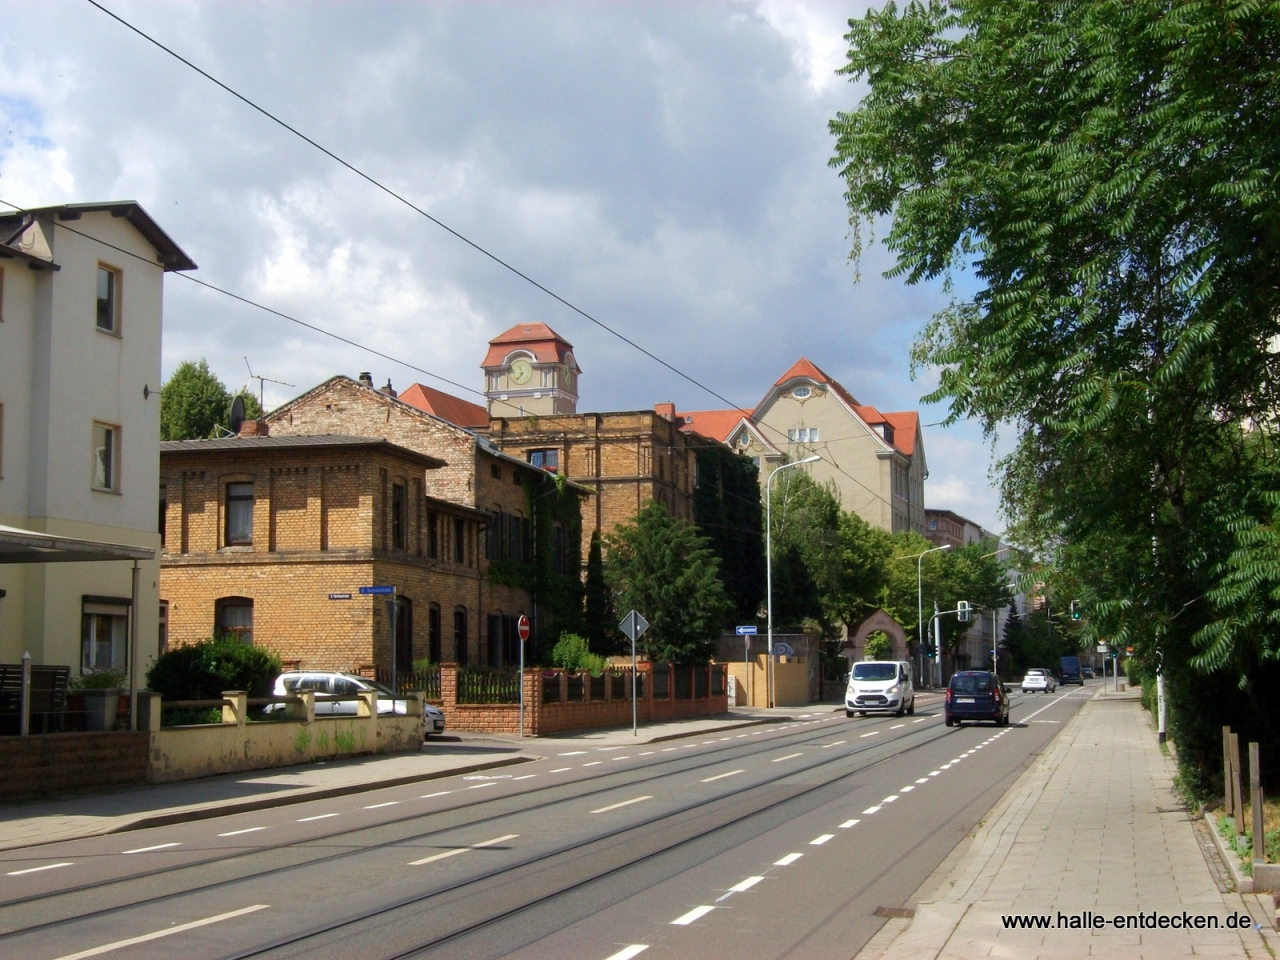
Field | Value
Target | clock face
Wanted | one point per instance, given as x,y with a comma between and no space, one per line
521,371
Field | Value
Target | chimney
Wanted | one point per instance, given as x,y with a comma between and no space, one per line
367,379
667,411
388,389
254,428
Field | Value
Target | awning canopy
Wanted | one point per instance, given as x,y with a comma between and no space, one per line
31,546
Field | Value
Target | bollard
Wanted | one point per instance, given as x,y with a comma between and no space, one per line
25,722
1237,794
1255,805
1226,772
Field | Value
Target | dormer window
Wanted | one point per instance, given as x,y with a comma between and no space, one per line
802,392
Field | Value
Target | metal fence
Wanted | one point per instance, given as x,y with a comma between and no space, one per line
412,681
488,686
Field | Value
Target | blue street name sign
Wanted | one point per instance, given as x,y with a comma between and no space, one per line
747,631
339,596
377,590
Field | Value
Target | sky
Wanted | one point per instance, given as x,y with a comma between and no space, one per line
662,165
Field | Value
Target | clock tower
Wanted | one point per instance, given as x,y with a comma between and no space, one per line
530,371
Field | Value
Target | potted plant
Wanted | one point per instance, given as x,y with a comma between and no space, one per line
101,692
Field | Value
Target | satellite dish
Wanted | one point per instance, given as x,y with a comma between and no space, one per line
237,414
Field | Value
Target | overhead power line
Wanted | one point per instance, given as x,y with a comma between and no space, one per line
377,184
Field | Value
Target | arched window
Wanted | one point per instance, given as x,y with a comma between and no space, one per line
404,636
234,615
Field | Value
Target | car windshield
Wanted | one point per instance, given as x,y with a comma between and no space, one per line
875,671
971,683
1035,673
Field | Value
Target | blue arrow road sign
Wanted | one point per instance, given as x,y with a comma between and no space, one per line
378,589
747,631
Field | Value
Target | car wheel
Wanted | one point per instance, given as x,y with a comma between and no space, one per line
848,713
911,710
901,710
949,722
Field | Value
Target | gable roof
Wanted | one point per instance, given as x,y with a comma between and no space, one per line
297,441
545,344
171,256
446,406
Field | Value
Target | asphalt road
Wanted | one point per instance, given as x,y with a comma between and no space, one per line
777,841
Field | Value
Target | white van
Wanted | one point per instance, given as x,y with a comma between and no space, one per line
880,685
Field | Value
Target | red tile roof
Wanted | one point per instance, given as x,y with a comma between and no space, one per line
804,367
545,344
457,411
905,426
713,424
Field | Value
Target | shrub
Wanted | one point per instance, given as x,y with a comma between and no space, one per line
572,652
100,680
201,671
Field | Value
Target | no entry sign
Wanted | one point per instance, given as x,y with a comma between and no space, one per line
522,627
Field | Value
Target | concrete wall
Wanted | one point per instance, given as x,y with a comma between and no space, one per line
184,753
61,763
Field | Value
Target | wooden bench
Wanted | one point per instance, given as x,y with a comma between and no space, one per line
48,707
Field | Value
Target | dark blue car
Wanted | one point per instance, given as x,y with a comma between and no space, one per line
976,695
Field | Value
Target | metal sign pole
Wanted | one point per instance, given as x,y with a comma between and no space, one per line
634,725
521,639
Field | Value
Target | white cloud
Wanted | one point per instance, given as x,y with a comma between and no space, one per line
664,167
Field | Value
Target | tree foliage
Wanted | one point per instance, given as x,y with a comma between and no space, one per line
599,617
728,511
661,566
194,403
1103,174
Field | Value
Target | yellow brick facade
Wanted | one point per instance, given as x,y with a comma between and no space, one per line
628,458
329,519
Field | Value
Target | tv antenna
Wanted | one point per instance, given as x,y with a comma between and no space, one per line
261,385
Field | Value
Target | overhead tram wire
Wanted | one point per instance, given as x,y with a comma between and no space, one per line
374,182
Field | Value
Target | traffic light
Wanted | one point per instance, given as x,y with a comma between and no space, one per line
964,613
1075,610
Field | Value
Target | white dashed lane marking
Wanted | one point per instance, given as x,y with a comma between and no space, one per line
626,953
47,866
236,833
157,934
849,823
721,776
870,810
593,763
458,850
441,793
788,860
744,885
158,846
378,806
697,913
326,816
789,756
836,744
624,803
871,734
819,841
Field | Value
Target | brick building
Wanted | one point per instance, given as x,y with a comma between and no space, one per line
627,458
260,531
522,503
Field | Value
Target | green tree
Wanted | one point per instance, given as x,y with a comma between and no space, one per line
194,403
1102,173
600,618
806,550
661,566
728,510
878,646
862,573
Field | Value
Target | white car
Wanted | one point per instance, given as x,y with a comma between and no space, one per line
1041,680
332,683
880,686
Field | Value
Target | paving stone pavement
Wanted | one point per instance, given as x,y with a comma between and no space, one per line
1093,826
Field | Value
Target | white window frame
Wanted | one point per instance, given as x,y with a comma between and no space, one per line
105,459
112,615
117,282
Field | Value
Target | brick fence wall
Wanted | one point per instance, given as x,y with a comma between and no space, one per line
560,714
62,763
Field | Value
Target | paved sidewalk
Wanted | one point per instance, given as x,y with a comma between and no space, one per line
1092,826
52,821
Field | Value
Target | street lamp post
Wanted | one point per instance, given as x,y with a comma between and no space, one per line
920,603
768,563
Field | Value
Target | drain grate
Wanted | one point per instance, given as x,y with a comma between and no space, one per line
895,913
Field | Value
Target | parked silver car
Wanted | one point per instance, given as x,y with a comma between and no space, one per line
332,683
